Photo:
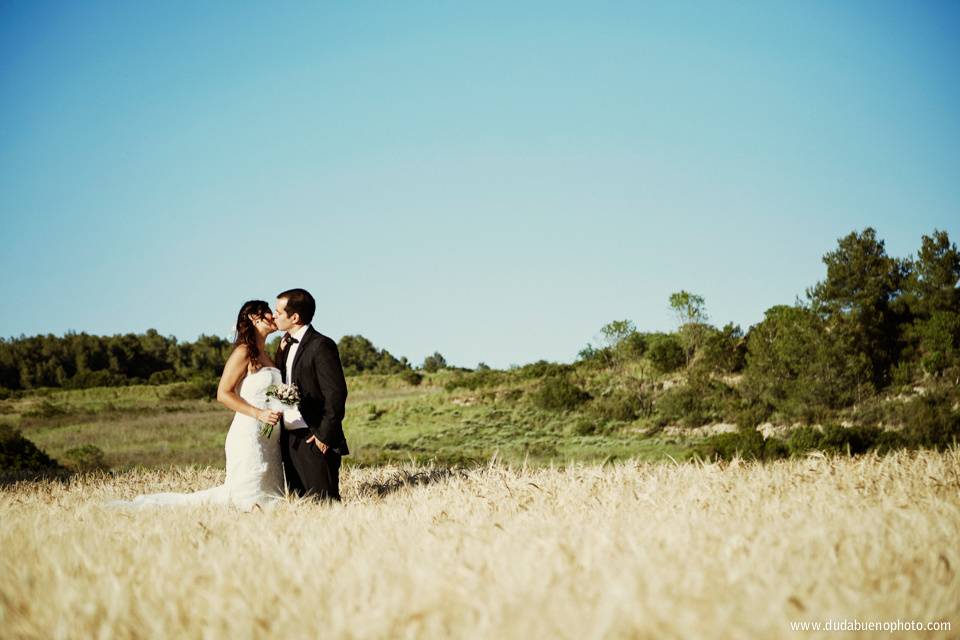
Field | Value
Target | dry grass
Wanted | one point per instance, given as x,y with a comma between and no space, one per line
632,550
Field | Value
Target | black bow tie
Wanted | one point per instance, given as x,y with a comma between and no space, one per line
287,340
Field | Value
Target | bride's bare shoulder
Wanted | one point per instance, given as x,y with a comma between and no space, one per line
238,358
239,351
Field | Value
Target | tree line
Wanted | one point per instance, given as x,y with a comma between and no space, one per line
81,360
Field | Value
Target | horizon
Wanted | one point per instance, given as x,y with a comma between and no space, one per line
494,183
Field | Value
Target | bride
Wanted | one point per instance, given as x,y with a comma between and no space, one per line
254,468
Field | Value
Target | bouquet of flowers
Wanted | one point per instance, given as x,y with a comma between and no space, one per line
285,394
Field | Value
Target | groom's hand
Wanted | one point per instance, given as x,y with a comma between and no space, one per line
313,440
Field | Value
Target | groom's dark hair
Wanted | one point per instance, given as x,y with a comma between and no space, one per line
299,301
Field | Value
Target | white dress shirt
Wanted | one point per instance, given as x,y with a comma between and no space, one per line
292,419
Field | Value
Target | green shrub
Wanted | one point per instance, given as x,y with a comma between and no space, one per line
747,444
596,358
542,369
435,362
855,440
474,380
874,411
166,376
411,377
665,352
803,439
696,403
194,390
85,458
930,421
837,439
724,350
587,427
748,415
889,441
359,355
621,405
775,449
940,341
682,405
557,393
20,458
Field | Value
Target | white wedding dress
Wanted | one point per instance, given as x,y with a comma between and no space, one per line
254,467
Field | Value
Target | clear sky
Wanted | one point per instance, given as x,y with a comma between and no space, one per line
493,180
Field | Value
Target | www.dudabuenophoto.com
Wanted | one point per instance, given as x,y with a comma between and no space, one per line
870,625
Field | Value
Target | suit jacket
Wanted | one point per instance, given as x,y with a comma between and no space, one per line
318,374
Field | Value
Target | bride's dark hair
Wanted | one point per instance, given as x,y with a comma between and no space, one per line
246,332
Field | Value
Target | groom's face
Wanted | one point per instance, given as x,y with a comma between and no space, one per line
284,322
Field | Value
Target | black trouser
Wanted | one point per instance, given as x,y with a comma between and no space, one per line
309,472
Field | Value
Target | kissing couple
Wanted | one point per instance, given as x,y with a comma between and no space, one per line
304,459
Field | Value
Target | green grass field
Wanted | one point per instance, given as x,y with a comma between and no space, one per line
387,421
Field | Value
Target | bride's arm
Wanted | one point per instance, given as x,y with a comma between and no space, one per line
226,391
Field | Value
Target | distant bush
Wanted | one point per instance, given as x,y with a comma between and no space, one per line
803,440
852,440
890,441
748,444
359,355
594,357
411,377
587,427
746,414
665,352
724,350
435,362
634,346
474,379
940,341
621,405
700,401
837,439
541,369
166,376
193,390
557,393
930,421
20,458
85,458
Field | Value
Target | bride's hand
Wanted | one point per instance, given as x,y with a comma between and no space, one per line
270,417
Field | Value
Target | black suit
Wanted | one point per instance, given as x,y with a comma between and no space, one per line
318,374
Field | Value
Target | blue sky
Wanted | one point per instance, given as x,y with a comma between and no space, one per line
492,180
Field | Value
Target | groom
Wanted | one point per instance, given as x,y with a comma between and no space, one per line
311,440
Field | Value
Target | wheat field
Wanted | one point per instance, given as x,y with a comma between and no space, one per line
637,550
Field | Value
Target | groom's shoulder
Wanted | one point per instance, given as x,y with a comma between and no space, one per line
323,340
